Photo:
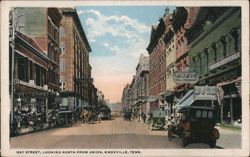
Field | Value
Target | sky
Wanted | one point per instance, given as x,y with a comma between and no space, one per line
117,36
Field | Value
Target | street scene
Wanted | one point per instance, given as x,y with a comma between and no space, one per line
125,77
114,134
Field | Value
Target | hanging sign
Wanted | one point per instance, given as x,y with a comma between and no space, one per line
186,77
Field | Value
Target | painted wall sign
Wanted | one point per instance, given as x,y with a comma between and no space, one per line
186,77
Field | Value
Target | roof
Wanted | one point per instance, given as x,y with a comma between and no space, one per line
156,34
72,12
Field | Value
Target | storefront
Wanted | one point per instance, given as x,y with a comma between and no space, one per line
231,108
30,98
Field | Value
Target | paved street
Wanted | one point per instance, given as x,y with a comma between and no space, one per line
114,133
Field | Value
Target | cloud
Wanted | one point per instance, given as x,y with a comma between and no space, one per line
122,26
119,40
106,44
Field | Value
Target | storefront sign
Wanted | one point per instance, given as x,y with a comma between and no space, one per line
186,77
225,61
32,95
205,92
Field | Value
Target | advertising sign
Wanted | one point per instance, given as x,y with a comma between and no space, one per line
205,92
186,77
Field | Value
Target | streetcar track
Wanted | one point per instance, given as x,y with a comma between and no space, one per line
132,134
111,136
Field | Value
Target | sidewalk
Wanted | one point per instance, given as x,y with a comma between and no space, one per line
30,130
229,138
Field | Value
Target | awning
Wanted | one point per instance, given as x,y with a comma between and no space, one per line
186,101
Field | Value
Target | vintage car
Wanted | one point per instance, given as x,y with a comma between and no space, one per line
127,115
195,119
157,119
65,118
105,113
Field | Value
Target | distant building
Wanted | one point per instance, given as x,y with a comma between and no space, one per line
142,71
125,97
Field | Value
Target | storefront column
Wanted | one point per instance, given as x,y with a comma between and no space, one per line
46,109
221,113
231,110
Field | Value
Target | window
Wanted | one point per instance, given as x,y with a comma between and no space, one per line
63,47
210,114
62,65
204,114
198,114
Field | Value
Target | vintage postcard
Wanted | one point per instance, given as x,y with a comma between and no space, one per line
125,78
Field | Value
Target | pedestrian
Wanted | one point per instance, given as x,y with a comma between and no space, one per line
82,116
144,117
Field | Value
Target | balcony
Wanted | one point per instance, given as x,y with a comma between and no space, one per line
31,84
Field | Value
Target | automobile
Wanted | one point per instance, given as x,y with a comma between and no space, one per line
65,118
194,119
105,113
196,125
127,115
156,119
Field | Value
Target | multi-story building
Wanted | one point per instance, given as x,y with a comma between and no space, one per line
74,66
215,53
142,83
157,61
125,97
183,19
30,76
38,27
133,94
170,67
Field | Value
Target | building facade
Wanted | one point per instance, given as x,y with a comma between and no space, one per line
36,53
142,84
125,97
30,76
74,66
170,40
215,53
157,62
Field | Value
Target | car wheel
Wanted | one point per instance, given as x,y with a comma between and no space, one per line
212,143
184,140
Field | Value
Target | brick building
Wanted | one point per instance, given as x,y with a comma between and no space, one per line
37,58
75,72
157,61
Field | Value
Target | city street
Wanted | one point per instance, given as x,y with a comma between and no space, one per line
109,134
